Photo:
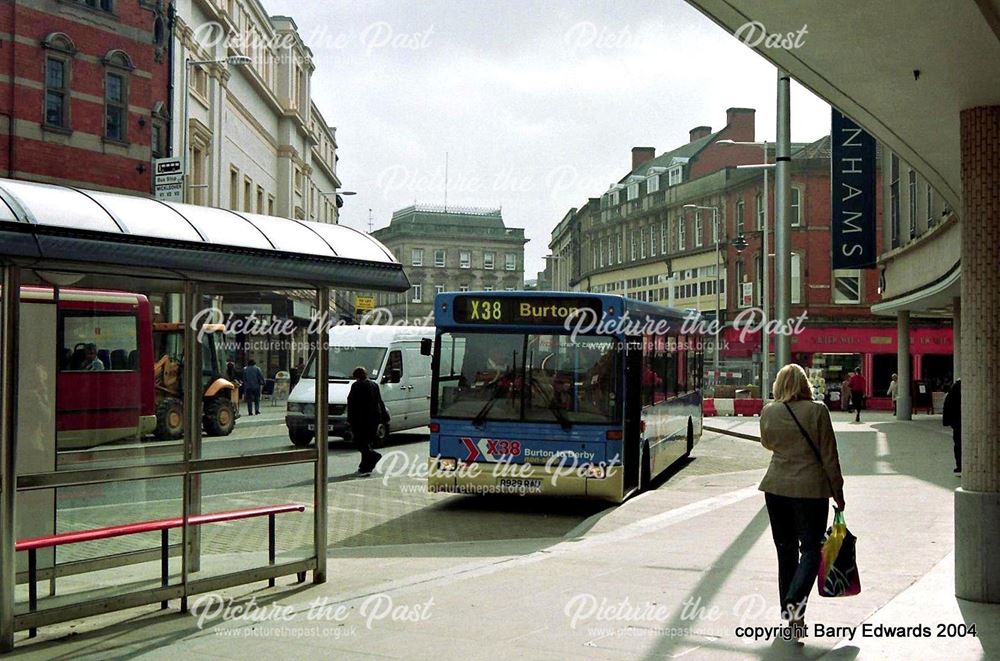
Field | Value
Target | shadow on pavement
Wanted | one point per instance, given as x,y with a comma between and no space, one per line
985,617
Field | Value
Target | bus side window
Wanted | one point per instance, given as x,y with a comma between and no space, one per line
682,376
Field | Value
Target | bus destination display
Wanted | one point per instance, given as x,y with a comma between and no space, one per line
515,310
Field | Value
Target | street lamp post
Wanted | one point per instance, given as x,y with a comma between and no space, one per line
235,60
783,221
718,270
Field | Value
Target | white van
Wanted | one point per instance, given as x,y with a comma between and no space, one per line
391,354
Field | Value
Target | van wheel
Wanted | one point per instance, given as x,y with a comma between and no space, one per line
169,419
645,474
300,437
381,435
690,439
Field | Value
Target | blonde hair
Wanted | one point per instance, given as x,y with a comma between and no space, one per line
791,384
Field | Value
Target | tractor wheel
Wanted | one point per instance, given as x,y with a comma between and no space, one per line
169,419
220,416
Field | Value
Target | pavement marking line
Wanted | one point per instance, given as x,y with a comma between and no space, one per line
478,569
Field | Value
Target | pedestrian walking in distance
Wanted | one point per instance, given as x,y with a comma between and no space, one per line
365,411
858,385
253,383
803,475
952,417
893,392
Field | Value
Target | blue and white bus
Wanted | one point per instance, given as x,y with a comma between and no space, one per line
559,393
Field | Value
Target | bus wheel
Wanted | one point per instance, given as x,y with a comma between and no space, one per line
300,437
644,470
169,419
381,435
220,416
690,439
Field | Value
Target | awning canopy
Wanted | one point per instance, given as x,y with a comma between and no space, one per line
62,228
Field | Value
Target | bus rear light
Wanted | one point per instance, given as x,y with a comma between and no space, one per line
435,427
594,471
613,435
448,463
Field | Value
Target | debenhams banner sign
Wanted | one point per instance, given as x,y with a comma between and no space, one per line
853,194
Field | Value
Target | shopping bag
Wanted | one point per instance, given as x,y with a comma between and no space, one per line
838,567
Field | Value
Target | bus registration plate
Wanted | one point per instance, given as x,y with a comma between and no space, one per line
519,484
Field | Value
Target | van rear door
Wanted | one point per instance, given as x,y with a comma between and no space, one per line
418,385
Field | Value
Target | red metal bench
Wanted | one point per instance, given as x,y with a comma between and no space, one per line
32,544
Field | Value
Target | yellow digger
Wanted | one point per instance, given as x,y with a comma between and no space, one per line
220,401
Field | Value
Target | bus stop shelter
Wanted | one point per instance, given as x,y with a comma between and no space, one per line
57,239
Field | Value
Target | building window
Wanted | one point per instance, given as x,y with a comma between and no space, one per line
631,245
675,175
618,248
663,238
418,293
633,191
439,256
103,5
488,259
652,240
681,232
796,279
759,206
740,277
715,226
642,243
615,198
740,218
247,194
56,92
698,229
270,205
465,259
652,183
796,206
931,216
611,251
260,199
463,288
758,278
912,190
600,253
199,82
115,106
847,286
234,188
417,257
894,201
438,289
510,261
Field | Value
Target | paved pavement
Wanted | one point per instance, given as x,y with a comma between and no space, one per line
678,571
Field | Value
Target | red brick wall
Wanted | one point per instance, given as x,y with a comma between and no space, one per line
82,157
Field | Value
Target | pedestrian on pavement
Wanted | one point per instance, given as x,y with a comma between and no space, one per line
952,417
365,412
845,396
858,385
893,392
253,383
803,475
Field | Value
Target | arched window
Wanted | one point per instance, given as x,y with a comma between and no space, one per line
117,67
160,122
60,51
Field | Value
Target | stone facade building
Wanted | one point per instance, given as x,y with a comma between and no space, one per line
450,249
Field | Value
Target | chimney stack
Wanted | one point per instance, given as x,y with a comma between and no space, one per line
740,124
699,132
642,154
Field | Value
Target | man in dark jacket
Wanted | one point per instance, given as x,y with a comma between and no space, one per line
253,383
952,417
365,412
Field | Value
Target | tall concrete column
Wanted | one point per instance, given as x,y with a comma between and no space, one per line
977,501
904,402
956,338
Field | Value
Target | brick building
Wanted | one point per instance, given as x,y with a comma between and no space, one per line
84,91
654,239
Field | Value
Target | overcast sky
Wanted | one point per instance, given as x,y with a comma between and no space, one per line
537,104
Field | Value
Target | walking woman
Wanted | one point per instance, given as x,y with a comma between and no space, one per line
804,474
